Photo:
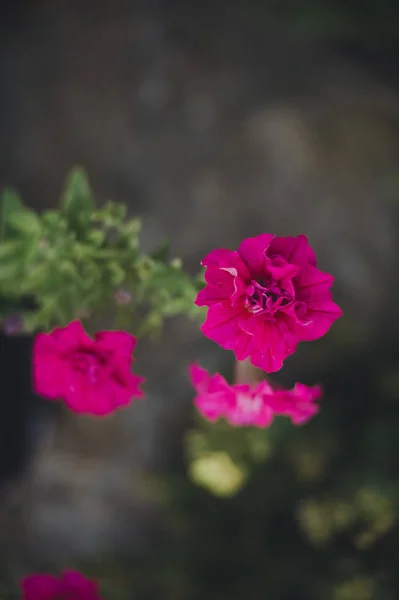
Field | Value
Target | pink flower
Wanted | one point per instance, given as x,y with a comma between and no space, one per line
266,297
238,404
246,405
70,586
298,403
92,376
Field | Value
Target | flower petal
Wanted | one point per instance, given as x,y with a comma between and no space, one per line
75,586
222,326
220,286
70,336
298,404
308,278
40,587
313,291
213,406
295,250
227,259
253,252
280,270
249,409
50,372
272,342
119,343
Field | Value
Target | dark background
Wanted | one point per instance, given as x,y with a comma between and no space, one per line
214,121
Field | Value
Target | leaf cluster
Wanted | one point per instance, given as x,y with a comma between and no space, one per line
81,260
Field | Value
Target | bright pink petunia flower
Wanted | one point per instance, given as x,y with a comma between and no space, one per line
299,404
266,297
93,376
71,585
246,405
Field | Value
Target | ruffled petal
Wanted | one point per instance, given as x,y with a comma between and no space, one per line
295,250
215,405
40,587
253,252
118,343
70,336
222,326
199,377
229,260
272,342
298,404
220,286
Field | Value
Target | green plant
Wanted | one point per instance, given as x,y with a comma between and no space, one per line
80,260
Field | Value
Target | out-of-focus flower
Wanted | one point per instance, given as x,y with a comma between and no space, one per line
299,403
266,297
238,404
93,376
13,324
71,585
246,405
122,297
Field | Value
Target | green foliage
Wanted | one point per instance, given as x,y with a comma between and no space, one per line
76,262
11,205
77,199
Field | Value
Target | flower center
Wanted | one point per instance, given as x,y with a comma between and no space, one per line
87,363
248,404
267,298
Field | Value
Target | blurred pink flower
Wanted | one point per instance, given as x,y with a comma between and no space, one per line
246,405
298,404
266,297
71,585
92,376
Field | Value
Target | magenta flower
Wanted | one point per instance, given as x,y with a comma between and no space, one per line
70,586
266,297
238,404
246,405
298,404
92,376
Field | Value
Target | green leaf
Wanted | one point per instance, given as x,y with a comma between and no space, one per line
30,249
77,201
145,268
51,218
151,325
96,237
35,279
116,273
9,249
68,269
10,204
25,222
130,233
162,252
9,270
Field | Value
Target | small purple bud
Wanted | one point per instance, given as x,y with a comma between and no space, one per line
13,324
122,297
